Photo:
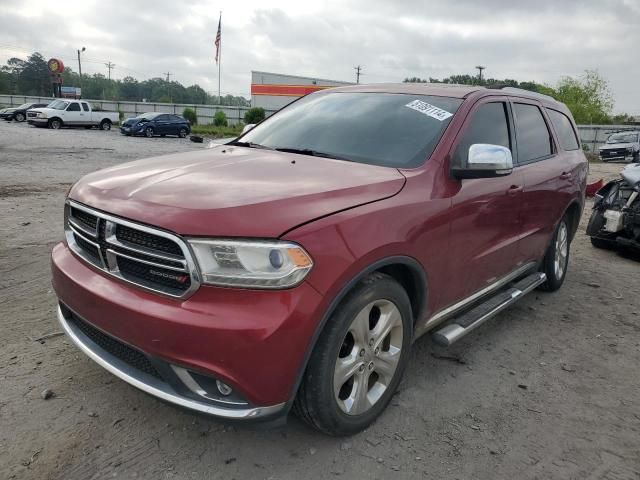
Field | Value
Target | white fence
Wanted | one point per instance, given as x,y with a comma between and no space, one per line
204,113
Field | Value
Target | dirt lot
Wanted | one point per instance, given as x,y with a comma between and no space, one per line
549,389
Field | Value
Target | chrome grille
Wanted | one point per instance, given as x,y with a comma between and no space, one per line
147,257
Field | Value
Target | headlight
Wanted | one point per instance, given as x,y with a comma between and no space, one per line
251,264
629,149
42,115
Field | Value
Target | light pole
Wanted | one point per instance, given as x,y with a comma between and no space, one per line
80,66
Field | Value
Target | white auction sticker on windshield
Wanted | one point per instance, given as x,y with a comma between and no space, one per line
430,110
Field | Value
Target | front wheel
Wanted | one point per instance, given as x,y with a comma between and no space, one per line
182,133
556,260
19,117
55,124
357,364
148,132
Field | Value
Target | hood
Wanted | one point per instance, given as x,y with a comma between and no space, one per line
9,110
609,146
234,191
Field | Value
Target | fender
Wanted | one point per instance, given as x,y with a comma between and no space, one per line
416,269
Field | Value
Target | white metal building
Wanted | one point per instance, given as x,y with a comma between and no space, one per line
272,91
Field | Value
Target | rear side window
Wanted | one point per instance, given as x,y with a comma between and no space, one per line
534,140
85,107
489,124
564,129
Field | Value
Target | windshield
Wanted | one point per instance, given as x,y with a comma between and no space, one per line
23,106
58,104
147,116
623,138
388,129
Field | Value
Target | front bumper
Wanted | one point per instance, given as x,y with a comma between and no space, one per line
37,121
254,341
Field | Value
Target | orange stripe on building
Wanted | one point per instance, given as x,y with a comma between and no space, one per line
286,90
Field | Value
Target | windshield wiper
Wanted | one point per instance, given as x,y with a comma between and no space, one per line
312,153
249,145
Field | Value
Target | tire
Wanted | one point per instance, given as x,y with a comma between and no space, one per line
331,404
603,243
55,124
148,132
182,133
19,117
556,259
105,125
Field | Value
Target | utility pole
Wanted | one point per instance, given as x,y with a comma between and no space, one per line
168,74
480,68
358,69
80,65
110,66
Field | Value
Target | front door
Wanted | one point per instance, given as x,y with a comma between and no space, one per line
73,114
486,223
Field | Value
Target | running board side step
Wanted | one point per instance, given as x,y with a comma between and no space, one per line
475,317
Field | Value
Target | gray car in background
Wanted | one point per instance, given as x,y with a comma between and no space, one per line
621,146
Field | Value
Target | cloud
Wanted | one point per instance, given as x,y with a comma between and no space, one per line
541,41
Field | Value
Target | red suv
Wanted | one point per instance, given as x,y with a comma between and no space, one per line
295,266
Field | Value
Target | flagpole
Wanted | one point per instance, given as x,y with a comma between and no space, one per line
220,58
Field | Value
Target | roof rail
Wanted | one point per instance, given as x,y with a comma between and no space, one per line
530,93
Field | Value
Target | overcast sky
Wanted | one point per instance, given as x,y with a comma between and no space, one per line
540,40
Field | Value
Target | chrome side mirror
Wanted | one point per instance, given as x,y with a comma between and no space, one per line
485,161
247,127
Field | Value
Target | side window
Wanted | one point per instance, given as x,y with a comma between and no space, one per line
85,107
564,129
162,118
534,139
73,107
489,124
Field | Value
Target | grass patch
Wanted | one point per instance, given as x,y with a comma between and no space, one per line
217,132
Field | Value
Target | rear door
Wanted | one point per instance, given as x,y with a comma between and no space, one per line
545,175
485,225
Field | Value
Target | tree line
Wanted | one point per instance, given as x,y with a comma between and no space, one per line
31,77
588,97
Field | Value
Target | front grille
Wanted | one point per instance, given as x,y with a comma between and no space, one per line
147,240
150,258
127,354
613,152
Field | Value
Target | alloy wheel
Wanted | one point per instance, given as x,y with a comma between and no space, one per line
368,357
562,244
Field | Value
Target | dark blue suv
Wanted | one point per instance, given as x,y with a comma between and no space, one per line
156,123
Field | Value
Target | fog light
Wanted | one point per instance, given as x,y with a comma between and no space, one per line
223,388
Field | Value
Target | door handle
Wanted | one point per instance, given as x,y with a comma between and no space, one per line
514,189
565,175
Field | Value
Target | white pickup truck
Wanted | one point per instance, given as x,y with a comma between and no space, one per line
63,112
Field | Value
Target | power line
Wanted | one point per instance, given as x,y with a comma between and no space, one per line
110,66
358,70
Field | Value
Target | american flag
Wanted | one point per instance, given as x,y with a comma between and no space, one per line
218,38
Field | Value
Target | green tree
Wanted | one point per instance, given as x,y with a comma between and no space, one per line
254,115
588,97
220,119
190,114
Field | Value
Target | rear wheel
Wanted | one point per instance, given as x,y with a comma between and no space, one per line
105,125
556,260
357,364
55,123
148,132
19,117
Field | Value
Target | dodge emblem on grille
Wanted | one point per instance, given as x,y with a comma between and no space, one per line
171,276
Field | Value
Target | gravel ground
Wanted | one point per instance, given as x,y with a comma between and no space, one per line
548,389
